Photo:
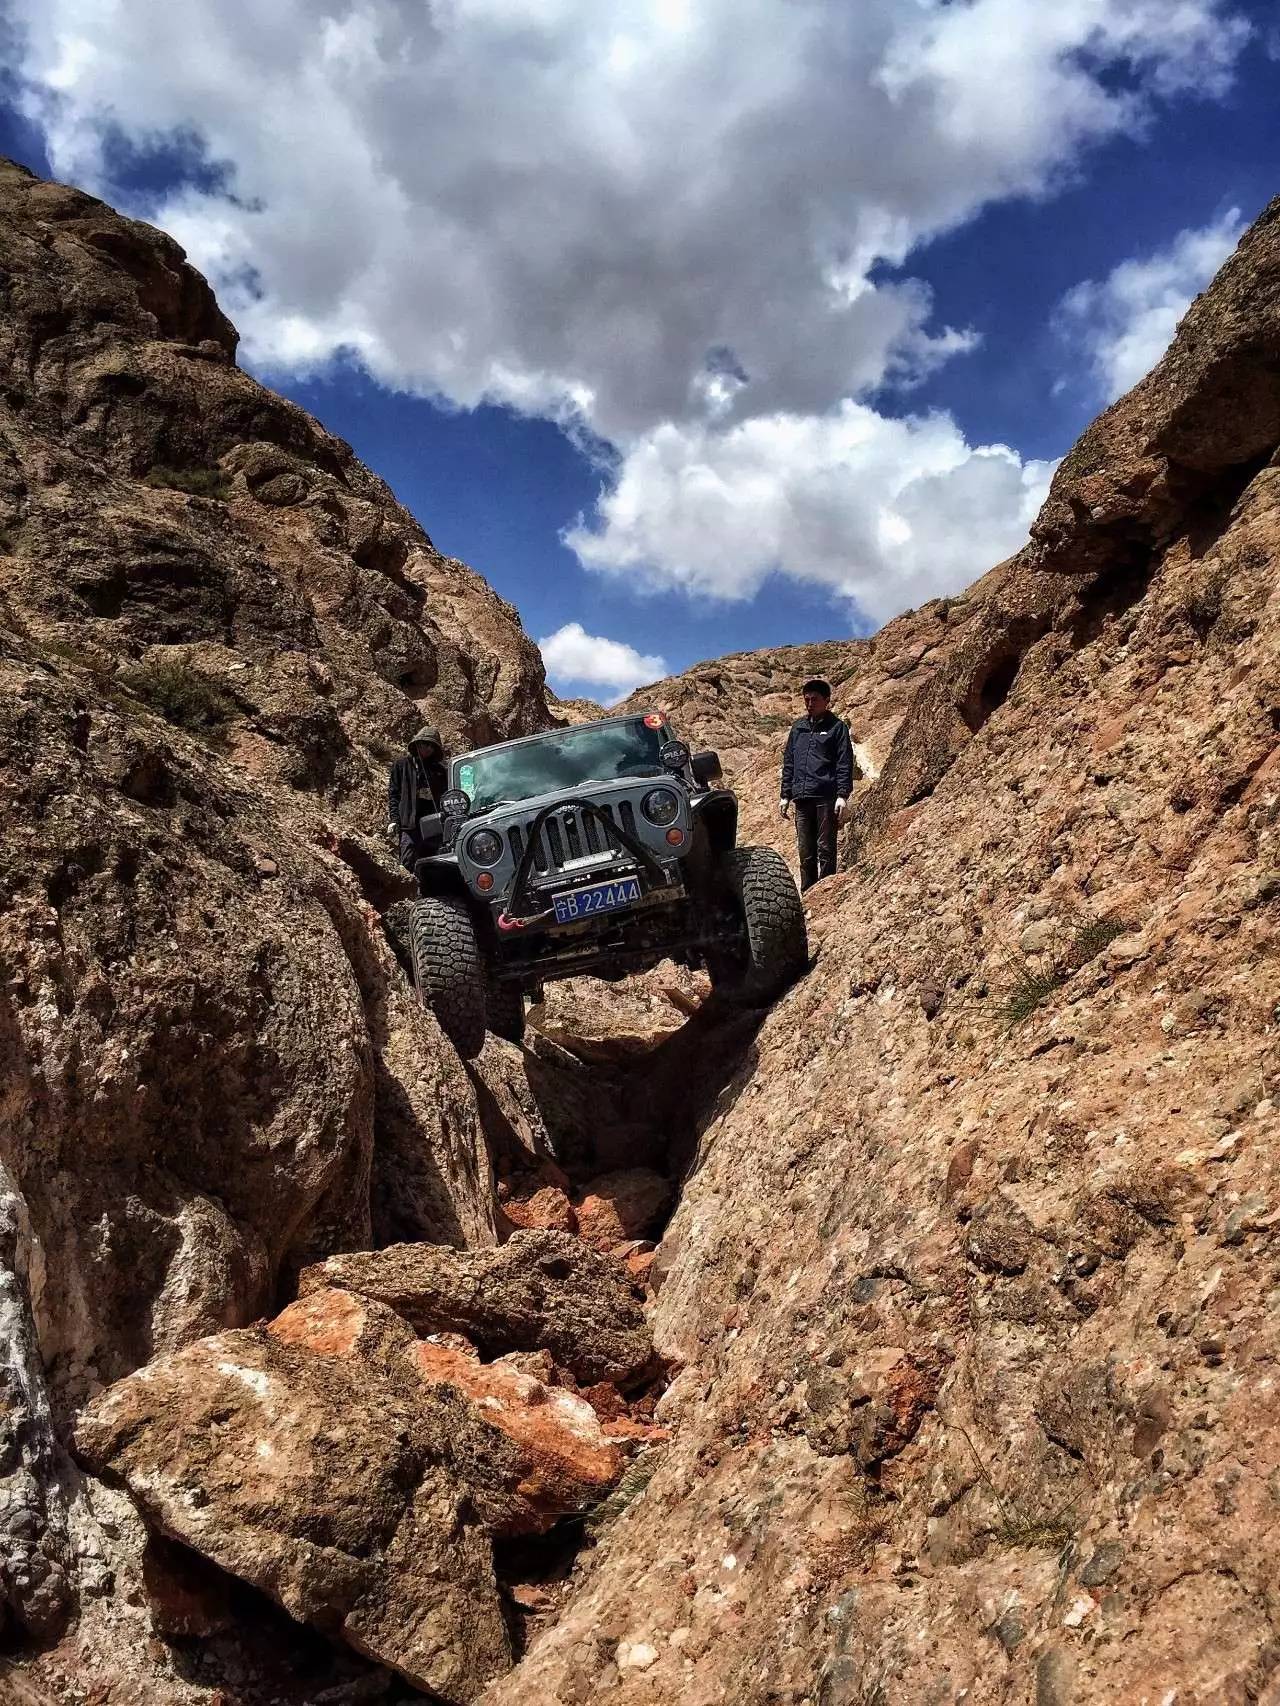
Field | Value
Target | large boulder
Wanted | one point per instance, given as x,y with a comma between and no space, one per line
310,1460
568,1459
539,1290
622,1205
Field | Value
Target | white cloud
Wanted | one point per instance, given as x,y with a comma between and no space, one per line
575,658
657,221
886,513
1125,323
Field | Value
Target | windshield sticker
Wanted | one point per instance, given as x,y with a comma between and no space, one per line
467,778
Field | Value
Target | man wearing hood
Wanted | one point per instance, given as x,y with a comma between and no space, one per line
414,788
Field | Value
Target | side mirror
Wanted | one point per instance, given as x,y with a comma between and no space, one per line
431,831
706,768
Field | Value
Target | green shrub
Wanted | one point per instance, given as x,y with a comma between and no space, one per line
1083,940
1029,990
1092,937
635,1478
182,695
200,482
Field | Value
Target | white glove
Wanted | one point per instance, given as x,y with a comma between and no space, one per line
393,829
840,806
784,806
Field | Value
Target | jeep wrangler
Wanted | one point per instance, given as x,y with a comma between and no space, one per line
601,848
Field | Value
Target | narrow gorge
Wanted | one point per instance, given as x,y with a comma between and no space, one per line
913,1340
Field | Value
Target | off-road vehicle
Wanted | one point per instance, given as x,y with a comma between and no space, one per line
602,849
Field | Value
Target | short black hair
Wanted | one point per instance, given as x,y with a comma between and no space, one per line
817,686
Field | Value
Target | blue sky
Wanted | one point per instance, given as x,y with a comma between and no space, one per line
760,347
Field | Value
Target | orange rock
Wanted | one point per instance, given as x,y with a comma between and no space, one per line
548,1208
568,1463
621,1206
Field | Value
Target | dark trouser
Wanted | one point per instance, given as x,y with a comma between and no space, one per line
815,839
410,852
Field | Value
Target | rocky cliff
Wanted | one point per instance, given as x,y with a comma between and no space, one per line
970,1283
335,1371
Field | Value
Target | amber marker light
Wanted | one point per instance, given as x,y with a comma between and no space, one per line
675,836
484,882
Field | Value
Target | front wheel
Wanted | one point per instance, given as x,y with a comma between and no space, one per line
777,945
449,970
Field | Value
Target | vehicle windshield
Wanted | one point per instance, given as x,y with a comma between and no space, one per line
593,752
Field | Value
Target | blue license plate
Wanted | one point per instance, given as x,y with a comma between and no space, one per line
604,897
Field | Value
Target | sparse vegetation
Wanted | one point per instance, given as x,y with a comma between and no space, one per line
635,1478
1080,940
1033,1529
839,1555
1020,1525
182,695
199,482
1093,936
1029,990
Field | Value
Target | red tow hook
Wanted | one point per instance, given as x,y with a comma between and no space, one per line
506,923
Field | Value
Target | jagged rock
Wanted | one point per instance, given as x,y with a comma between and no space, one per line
568,1461
1195,431
547,1209
612,1024
309,1459
216,628
621,1206
538,1290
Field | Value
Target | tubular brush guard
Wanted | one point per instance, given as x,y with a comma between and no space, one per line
515,917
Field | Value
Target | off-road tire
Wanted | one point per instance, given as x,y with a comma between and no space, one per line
448,969
777,946
504,1007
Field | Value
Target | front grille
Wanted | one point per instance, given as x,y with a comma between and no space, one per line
569,834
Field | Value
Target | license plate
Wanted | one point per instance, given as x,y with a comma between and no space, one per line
604,897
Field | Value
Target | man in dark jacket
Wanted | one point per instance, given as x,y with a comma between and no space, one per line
817,775
413,789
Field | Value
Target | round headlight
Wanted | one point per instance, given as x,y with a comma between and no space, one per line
483,848
661,806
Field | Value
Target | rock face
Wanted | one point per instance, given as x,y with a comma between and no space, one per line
216,629
970,1280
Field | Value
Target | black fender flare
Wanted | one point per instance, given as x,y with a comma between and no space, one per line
717,811
438,875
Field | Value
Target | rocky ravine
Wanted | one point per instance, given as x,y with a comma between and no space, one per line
322,1366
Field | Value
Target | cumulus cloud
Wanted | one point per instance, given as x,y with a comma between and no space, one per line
1126,322
660,222
885,512
575,658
